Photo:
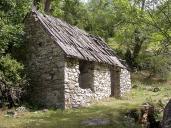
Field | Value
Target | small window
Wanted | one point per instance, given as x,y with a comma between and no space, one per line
86,77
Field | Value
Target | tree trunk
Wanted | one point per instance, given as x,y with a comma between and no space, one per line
132,56
137,47
166,123
47,6
143,5
36,3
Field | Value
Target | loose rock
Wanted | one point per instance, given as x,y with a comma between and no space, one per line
96,122
21,109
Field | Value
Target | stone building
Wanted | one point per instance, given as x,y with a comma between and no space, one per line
69,67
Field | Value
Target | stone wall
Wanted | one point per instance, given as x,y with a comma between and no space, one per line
102,81
125,81
45,66
75,96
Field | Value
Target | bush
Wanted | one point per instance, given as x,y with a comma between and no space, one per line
10,70
12,81
156,65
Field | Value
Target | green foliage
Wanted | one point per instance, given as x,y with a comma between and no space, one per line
56,8
10,70
100,18
74,12
12,13
156,65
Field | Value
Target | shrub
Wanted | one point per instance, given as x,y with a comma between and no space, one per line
157,65
10,70
12,81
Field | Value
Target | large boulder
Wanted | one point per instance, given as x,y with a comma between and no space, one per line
166,123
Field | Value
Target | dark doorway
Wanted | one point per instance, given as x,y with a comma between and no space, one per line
115,82
86,76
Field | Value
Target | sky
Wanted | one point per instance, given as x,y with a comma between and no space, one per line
84,0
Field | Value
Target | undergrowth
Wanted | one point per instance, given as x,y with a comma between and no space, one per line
112,109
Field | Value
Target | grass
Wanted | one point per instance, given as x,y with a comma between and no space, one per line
112,109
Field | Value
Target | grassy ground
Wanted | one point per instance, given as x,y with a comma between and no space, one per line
112,109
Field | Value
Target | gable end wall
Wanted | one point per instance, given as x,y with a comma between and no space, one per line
45,66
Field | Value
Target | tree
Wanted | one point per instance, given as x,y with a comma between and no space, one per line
36,3
11,36
47,6
166,123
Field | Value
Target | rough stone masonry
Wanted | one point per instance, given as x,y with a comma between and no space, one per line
62,82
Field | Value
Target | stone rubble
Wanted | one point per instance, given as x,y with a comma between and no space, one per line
96,122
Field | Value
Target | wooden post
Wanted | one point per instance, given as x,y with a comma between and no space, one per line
115,82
